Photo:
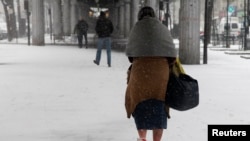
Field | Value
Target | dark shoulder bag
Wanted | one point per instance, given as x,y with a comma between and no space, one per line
182,92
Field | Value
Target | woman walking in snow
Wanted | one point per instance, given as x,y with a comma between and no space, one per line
151,52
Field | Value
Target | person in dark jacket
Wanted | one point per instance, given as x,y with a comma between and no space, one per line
81,30
104,28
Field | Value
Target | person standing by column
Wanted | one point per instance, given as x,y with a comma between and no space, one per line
81,30
104,28
151,52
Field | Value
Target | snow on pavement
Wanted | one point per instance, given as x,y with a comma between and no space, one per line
57,93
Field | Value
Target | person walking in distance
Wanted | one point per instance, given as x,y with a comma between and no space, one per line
81,30
104,28
152,53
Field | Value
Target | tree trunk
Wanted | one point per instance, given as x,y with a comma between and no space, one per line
189,49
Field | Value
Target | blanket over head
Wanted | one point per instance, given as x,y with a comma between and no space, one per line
150,38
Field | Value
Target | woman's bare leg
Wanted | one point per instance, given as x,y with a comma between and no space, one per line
142,133
157,134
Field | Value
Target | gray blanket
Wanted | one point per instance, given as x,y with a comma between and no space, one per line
150,38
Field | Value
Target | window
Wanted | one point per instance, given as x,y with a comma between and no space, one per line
234,25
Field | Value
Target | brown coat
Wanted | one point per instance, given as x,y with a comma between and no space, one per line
147,79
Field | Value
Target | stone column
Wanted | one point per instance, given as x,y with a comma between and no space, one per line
112,14
121,18
127,18
38,22
134,12
189,49
57,19
80,9
116,18
73,17
86,11
155,5
66,17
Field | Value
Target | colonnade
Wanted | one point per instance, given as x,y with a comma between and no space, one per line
126,14
65,14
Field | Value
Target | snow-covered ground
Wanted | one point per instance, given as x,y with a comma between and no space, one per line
57,93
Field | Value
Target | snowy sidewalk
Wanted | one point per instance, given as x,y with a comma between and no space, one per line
57,93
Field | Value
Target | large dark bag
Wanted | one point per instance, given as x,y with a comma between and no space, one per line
182,92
